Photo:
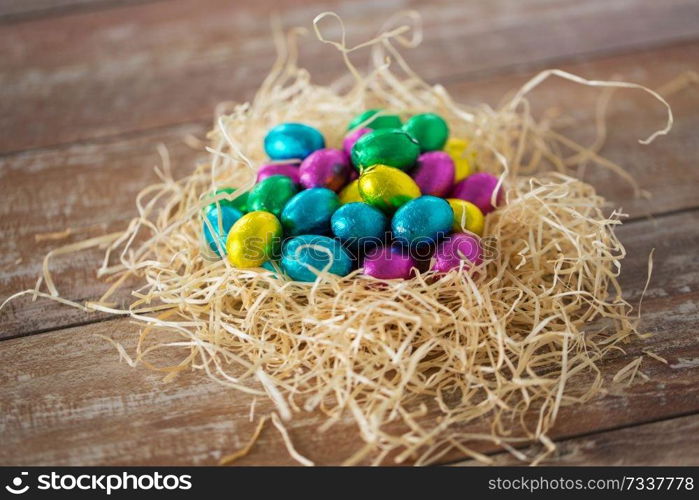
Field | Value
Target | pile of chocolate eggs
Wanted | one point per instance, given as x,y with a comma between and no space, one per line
398,197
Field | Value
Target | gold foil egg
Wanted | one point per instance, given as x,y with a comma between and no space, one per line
253,239
387,188
467,217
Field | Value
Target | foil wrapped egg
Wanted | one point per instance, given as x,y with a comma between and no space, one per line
288,169
434,173
253,239
389,262
429,130
292,140
303,257
219,218
350,193
387,188
463,159
478,188
383,121
272,194
230,198
327,168
351,139
467,217
458,248
359,225
386,146
422,221
310,211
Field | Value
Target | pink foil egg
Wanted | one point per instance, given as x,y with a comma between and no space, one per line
388,263
478,189
434,173
287,169
351,139
457,248
327,168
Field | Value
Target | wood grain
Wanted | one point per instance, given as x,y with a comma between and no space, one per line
66,399
111,71
75,184
671,442
16,10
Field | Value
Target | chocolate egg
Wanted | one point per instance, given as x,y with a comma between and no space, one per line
310,211
387,188
351,139
292,140
253,239
457,248
467,217
386,146
350,193
272,194
389,263
478,189
327,168
383,121
422,221
359,225
429,130
238,201
220,218
303,257
288,169
434,173
463,159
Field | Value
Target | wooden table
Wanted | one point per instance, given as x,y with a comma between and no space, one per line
88,88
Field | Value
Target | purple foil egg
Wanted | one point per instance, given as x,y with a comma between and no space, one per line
327,168
287,169
388,263
478,189
457,248
434,173
351,139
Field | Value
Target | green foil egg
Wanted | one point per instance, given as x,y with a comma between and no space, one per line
272,194
240,202
386,146
383,121
429,130
387,188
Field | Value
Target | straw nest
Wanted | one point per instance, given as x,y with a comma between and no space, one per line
424,367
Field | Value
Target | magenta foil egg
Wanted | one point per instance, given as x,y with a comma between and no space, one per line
351,139
288,169
389,263
328,168
456,248
478,189
434,173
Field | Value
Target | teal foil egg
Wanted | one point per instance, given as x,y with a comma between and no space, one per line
305,256
359,225
292,140
271,194
221,218
310,211
422,221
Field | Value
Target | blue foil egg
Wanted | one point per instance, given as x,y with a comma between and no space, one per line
310,211
305,256
292,140
221,217
422,221
359,225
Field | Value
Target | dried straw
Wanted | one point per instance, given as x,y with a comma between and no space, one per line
426,367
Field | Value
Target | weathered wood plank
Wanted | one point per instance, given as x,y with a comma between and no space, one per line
95,74
672,442
66,399
14,10
90,188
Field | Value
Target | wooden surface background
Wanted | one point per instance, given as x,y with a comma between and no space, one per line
89,87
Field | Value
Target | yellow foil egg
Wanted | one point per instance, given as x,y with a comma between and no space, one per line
463,160
387,188
350,193
467,217
253,239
